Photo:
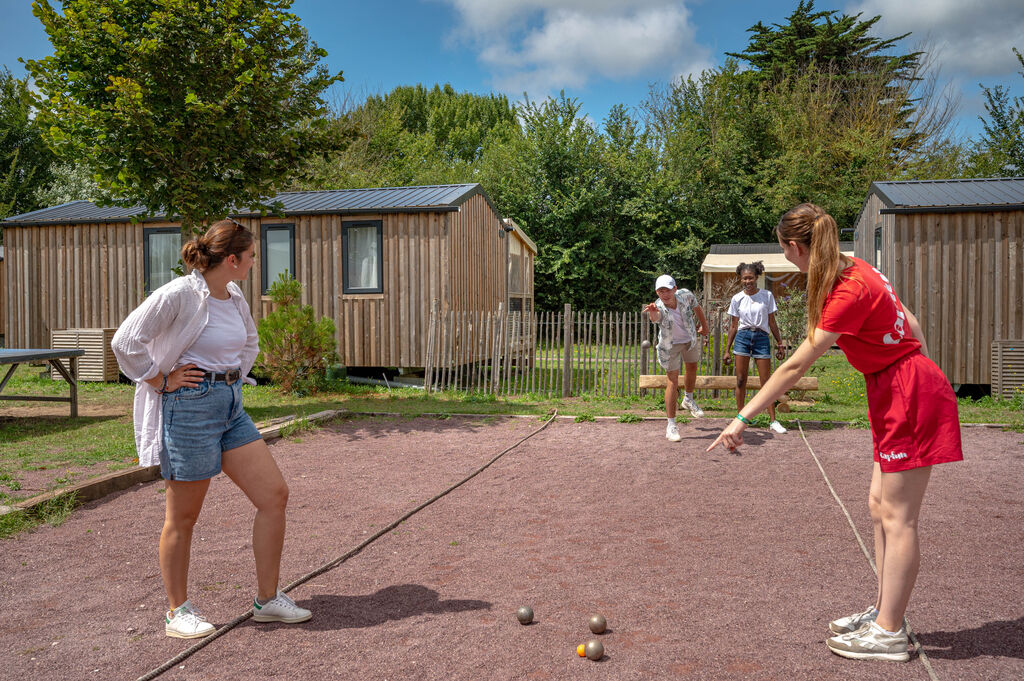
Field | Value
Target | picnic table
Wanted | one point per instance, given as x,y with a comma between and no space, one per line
54,357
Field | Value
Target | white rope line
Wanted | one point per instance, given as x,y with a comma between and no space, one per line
330,565
867,554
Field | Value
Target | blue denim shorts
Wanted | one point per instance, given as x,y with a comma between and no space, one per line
752,343
198,425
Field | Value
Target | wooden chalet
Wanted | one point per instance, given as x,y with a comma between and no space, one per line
374,260
954,251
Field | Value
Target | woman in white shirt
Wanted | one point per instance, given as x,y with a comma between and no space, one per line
189,347
753,315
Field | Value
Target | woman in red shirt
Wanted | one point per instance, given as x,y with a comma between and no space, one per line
913,413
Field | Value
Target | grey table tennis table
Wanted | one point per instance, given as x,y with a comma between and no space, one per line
54,357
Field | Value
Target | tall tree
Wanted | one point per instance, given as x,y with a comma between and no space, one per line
1000,150
24,158
185,107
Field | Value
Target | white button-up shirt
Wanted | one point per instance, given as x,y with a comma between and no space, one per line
153,337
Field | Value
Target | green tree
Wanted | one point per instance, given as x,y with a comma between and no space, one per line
1000,150
24,158
185,107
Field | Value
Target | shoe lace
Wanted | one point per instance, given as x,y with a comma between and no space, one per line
190,616
283,599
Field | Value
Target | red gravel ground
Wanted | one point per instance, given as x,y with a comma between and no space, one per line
707,566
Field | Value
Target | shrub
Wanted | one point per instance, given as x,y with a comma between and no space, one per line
295,348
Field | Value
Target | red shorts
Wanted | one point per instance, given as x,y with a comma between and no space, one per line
914,420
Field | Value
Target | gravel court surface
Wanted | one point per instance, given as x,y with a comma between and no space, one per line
682,552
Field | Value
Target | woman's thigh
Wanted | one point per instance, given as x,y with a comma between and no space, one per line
254,470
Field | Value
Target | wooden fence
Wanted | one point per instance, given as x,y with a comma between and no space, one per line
565,353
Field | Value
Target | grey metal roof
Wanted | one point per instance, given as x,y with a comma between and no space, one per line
918,196
335,201
755,249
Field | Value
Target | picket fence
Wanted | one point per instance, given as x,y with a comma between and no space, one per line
564,353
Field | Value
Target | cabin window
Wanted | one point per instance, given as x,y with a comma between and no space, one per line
161,253
515,266
362,255
277,253
878,247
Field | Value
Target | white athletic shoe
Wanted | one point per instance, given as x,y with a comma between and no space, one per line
778,427
844,625
871,642
672,432
691,404
186,622
279,609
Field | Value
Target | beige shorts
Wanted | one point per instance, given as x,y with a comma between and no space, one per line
681,352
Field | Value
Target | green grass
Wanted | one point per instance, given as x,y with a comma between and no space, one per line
56,443
52,512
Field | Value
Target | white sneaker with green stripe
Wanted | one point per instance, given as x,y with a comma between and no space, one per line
280,608
186,622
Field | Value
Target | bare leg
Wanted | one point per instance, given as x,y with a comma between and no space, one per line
184,502
764,370
742,369
902,494
690,380
253,469
671,393
875,507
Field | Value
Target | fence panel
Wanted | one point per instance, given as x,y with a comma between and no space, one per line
526,352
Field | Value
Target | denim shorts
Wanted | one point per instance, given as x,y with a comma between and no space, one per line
752,343
198,425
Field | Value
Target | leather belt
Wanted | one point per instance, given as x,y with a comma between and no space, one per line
229,377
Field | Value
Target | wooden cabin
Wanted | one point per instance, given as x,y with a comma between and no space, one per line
374,260
954,251
3,297
719,269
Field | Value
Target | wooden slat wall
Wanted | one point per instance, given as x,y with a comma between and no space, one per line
3,297
91,276
961,274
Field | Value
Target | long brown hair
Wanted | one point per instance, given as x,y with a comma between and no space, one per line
810,225
223,238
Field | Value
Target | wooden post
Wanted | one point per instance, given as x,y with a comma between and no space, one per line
567,367
428,373
74,386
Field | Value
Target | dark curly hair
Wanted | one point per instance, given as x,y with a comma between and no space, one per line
756,267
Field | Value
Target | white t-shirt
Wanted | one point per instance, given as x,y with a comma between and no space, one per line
219,347
753,311
679,332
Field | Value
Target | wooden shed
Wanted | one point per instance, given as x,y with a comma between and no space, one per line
3,297
719,268
954,251
374,260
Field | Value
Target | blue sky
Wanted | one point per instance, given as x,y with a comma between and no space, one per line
601,52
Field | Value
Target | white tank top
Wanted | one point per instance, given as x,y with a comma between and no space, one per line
219,347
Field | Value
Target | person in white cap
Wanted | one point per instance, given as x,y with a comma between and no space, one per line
681,323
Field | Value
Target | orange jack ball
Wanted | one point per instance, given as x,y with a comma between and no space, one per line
581,650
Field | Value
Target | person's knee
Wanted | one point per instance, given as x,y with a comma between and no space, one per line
875,506
182,520
275,499
895,518
741,381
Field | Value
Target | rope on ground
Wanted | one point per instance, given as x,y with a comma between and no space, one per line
188,652
864,549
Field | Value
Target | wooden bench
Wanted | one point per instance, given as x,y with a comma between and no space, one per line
727,383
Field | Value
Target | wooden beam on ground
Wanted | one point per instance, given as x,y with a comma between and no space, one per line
722,382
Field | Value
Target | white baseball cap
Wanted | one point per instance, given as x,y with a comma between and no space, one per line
665,281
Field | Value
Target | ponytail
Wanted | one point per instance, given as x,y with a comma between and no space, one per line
810,225
225,237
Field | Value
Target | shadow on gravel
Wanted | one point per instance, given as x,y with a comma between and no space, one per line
1002,638
390,603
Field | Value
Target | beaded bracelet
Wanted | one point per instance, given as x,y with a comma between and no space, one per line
163,388
743,419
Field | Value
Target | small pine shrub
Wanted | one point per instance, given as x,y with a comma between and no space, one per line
295,348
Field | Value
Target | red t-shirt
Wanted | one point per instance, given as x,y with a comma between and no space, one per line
864,308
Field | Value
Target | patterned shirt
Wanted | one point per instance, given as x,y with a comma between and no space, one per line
685,302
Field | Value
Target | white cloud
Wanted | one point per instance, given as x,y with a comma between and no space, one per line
969,39
541,46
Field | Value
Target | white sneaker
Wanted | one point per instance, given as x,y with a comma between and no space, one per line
844,625
672,432
279,609
871,642
778,427
186,622
691,404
